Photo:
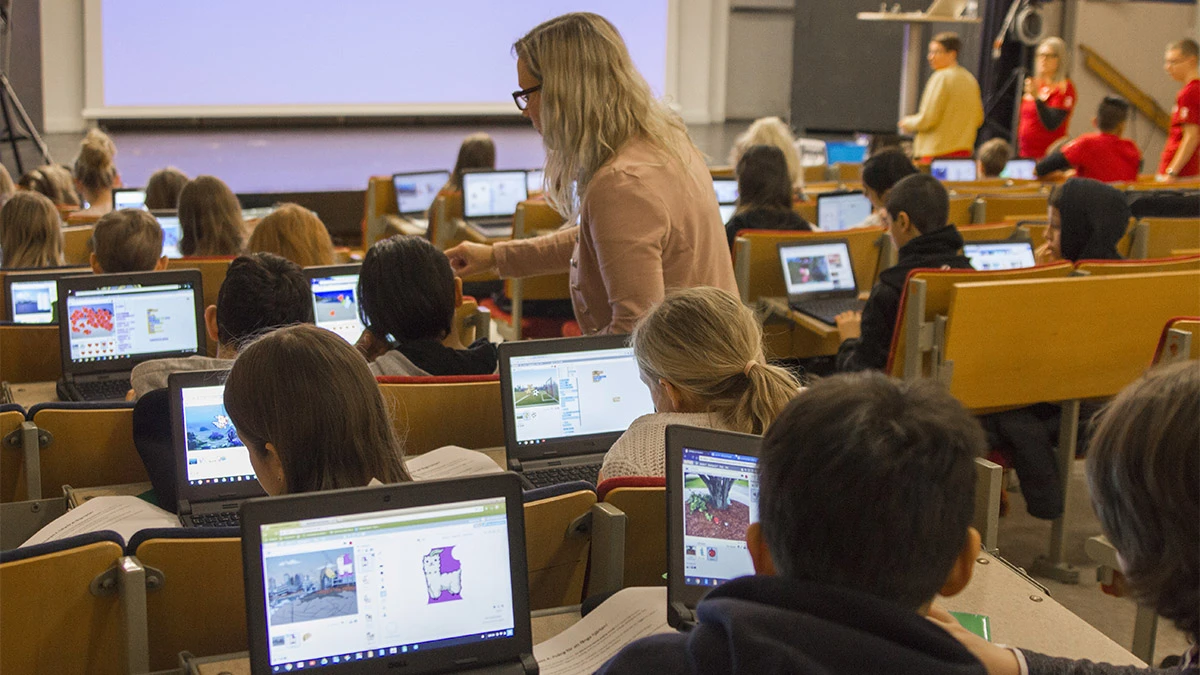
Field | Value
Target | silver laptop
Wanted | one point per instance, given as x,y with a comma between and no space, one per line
837,211
415,193
820,278
335,299
999,255
32,296
535,180
1020,169
726,189
490,200
172,234
129,198
953,170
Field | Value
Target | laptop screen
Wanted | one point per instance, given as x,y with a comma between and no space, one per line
335,302
565,395
726,189
1020,169
32,301
953,169
172,233
415,192
129,199
371,585
1008,255
215,454
845,152
836,212
720,499
817,268
493,193
535,180
727,211
132,321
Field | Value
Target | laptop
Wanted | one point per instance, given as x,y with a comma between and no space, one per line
213,474
415,193
953,169
32,297
335,299
172,233
820,279
842,210
1021,169
129,198
424,577
845,152
712,495
999,255
490,200
727,211
726,189
108,323
535,180
566,401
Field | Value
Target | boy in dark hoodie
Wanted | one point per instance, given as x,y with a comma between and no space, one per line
866,494
916,213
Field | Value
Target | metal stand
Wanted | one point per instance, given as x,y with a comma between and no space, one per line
10,103
1016,80
1054,564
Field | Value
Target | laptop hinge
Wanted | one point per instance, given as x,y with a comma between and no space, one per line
529,664
514,464
680,617
185,509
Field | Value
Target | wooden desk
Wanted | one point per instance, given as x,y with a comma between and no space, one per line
810,337
29,394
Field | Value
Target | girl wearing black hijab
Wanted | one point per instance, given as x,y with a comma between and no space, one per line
1087,219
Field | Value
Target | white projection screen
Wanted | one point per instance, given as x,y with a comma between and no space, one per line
256,58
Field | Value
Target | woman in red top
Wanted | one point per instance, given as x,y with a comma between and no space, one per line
1048,102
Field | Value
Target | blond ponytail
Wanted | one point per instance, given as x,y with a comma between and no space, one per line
94,168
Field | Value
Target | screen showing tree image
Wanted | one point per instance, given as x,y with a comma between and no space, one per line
720,500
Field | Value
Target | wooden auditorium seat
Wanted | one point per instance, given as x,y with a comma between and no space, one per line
29,353
12,458
77,244
756,258
432,412
557,550
91,445
1180,340
1107,267
1161,237
643,500
991,208
989,232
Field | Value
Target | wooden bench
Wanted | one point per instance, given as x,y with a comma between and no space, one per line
991,208
989,232
29,353
1109,267
533,217
1161,237
77,244
1180,340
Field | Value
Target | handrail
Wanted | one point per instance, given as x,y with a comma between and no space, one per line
1123,86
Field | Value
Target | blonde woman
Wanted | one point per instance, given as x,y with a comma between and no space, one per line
295,233
211,219
772,131
96,175
700,353
30,232
622,164
1048,102
478,151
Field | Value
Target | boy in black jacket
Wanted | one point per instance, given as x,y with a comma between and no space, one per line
866,494
916,214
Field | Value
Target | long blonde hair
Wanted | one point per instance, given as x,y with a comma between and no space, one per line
30,232
1059,48
94,168
771,131
708,344
295,233
593,100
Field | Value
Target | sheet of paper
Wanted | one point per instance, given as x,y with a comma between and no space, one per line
450,461
125,515
631,614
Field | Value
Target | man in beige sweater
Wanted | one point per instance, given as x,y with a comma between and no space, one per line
951,107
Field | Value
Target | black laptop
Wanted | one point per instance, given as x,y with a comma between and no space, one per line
32,296
819,278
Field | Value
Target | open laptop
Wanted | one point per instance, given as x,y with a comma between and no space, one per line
129,198
32,297
535,180
108,323
213,474
172,233
712,496
820,279
999,255
845,152
566,401
490,200
335,298
1021,169
953,169
842,210
415,193
424,577
726,189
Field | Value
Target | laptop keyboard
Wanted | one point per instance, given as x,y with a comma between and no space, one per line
222,519
103,390
827,309
563,474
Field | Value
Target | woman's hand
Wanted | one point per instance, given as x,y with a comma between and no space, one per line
469,258
998,660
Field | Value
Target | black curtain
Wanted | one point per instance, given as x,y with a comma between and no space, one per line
998,92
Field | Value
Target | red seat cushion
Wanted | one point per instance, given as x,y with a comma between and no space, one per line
609,484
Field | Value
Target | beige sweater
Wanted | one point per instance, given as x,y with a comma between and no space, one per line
642,449
644,228
950,115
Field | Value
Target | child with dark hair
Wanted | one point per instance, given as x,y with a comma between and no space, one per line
407,295
880,173
129,240
866,495
764,194
1105,154
1087,219
916,214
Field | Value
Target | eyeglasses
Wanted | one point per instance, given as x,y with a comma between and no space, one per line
521,98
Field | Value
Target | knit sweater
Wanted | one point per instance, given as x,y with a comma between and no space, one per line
642,449
950,115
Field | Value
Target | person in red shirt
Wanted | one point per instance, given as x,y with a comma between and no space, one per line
1102,155
1179,157
1048,102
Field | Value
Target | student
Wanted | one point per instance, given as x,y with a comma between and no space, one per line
880,174
1142,471
95,174
129,240
30,232
764,194
55,182
1048,101
1181,154
916,214
992,157
295,233
700,353
311,415
866,495
407,295
1103,154
951,106
1087,219
774,132
163,188
261,292
211,219
478,151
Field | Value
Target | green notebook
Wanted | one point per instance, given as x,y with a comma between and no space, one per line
976,623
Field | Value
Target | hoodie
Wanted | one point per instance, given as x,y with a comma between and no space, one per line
1094,218
763,624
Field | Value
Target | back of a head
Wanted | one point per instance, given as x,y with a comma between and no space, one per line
30,232
211,219
310,394
406,289
950,42
94,168
993,156
261,292
868,483
763,182
478,151
54,182
775,132
1143,468
882,171
1112,113
924,199
163,188
295,233
1093,217
708,344
129,240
